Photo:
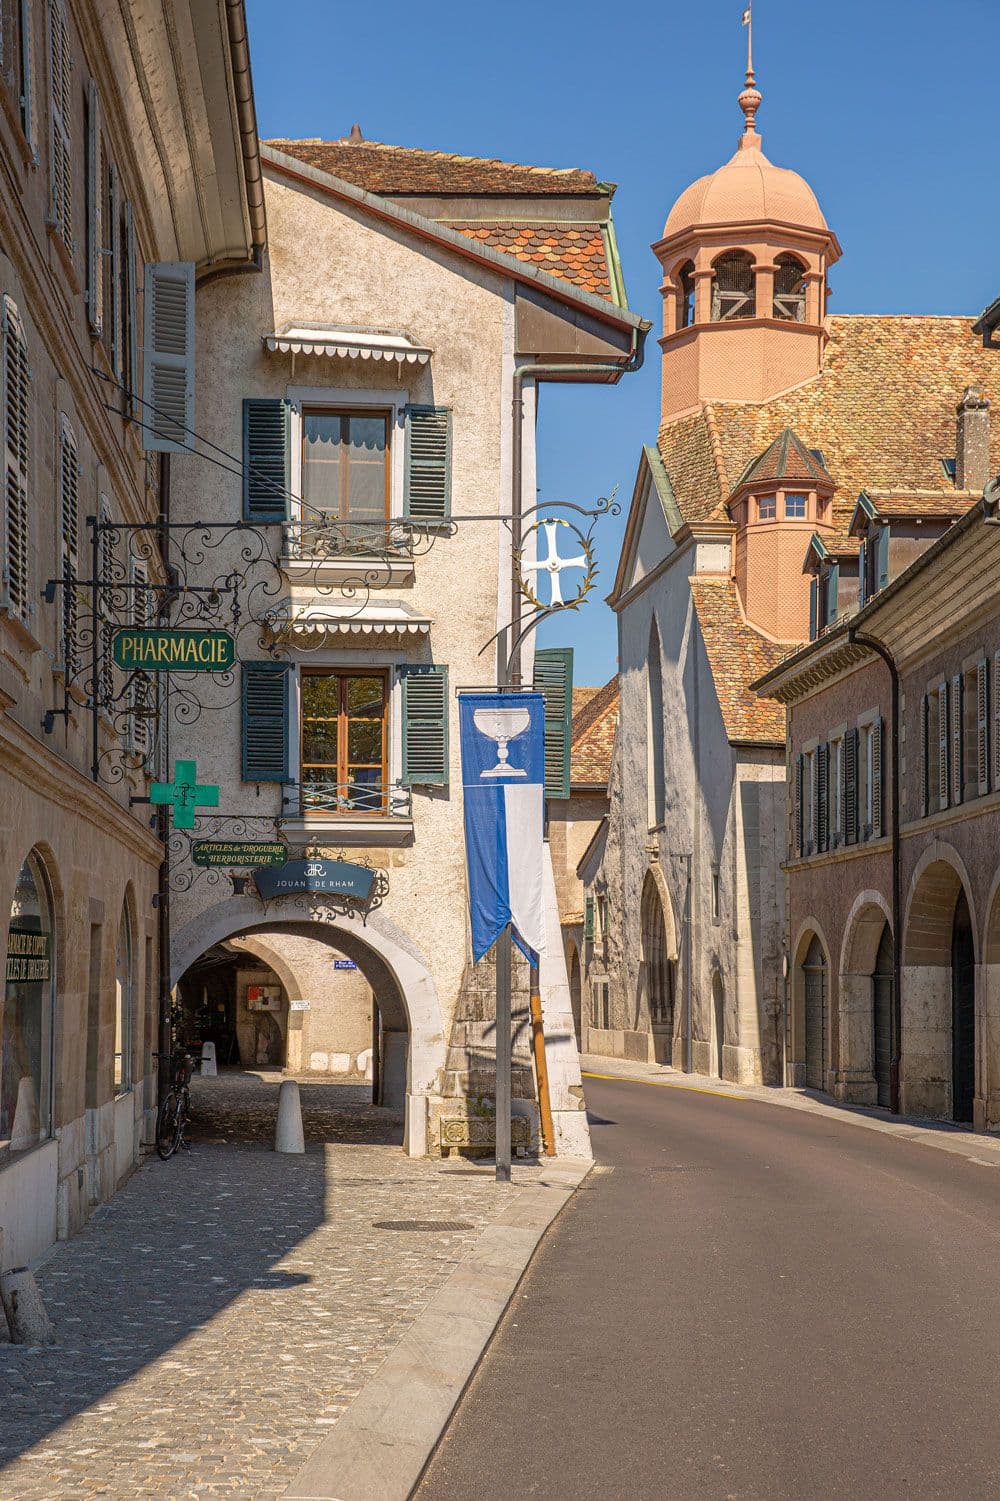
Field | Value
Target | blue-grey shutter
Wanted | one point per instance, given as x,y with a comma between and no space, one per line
944,759
877,774
925,759
266,459
265,722
553,678
95,214
957,739
167,354
983,725
832,592
797,805
883,557
851,787
425,725
427,488
813,608
27,97
823,797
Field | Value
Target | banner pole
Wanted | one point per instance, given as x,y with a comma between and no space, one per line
504,957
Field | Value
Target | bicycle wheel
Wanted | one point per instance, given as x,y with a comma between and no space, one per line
169,1125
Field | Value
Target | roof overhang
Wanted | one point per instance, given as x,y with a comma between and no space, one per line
347,343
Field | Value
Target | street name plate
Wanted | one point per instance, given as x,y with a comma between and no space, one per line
336,877
154,650
249,854
344,964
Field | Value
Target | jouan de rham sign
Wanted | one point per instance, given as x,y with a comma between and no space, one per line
152,650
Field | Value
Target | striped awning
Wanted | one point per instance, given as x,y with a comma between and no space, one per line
312,625
347,343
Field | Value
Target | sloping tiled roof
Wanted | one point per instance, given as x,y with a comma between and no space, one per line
925,504
576,252
737,656
882,411
787,458
380,168
593,736
582,697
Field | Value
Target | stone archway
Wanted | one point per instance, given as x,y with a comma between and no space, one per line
810,1040
657,966
939,1025
413,1034
576,991
863,997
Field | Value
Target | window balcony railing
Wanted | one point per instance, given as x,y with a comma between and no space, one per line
322,538
349,799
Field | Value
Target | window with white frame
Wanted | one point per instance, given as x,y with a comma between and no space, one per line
346,468
15,592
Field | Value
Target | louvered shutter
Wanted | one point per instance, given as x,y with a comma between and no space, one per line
943,756
60,118
112,252
425,725
851,787
553,678
797,806
877,776
862,558
983,725
69,539
588,919
823,797
957,708
168,357
813,608
27,92
832,592
996,721
427,489
265,722
15,594
925,756
95,214
130,331
266,459
882,557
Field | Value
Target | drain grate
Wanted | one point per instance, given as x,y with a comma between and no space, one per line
432,1225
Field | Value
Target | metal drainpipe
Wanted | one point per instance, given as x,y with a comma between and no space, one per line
883,651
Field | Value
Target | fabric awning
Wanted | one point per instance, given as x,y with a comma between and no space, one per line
348,343
311,625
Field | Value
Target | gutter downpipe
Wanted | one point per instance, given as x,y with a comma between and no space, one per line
881,650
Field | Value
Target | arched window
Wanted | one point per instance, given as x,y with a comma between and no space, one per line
124,1003
789,289
733,294
28,1006
655,772
685,295
659,967
815,998
15,590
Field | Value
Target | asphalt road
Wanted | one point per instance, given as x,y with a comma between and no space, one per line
753,1303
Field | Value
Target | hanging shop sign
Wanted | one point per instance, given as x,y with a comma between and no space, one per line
239,854
334,877
29,956
154,650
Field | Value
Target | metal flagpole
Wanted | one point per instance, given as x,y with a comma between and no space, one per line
504,1021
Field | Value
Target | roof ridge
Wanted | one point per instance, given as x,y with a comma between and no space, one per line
451,156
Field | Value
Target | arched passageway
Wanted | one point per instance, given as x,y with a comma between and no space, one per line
882,1019
938,1064
815,1004
963,1011
718,1025
867,1032
576,991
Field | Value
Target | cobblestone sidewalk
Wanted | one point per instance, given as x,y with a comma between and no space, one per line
221,1312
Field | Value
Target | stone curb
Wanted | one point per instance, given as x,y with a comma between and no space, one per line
380,1447
927,1133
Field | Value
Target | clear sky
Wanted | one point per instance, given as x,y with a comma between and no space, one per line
885,106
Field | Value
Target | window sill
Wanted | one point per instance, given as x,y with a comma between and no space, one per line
364,829
19,631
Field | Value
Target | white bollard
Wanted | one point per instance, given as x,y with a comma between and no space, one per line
27,1320
208,1068
289,1136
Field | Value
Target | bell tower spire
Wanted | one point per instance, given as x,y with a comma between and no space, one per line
750,97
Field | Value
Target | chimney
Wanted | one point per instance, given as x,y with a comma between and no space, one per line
972,447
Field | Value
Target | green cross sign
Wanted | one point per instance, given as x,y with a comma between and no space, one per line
184,794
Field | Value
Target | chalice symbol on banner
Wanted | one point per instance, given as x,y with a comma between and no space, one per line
503,726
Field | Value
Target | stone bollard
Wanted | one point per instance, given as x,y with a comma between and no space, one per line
289,1136
22,1303
208,1068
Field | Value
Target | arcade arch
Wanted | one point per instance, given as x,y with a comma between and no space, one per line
867,1015
810,1029
939,1012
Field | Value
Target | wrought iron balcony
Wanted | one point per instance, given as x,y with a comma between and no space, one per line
348,799
320,538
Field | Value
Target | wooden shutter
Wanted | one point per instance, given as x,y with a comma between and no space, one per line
851,787
588,919
813,608
265,722
69,541
882,557
15,408
425,725
266,459
862,557
130,332
60,123
427,489
553,678
113,253
943,756
168,357
983,725
996,721
925,757
797,806
877,779
832,592
823,797
957,769
27,91
95,214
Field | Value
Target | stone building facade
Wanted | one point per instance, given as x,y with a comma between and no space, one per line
119,147
376,374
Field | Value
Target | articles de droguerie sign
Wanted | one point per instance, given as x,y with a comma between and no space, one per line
151,649
28,957
241,854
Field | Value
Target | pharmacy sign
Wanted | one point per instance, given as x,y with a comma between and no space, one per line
150,649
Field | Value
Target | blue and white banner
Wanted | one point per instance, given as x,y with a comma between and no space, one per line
503,783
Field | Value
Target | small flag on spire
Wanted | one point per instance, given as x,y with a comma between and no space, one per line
747,16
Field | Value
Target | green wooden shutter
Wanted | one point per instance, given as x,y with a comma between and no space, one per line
425,725
996,721
882,557
832,592
553,678
813,608
588,919
265,722
95,214
862,570
427,490
266,459
27,99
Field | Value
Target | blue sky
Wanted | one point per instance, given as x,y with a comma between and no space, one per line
884,105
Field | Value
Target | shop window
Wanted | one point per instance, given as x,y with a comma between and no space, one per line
29,999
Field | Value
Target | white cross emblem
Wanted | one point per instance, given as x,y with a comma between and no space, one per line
552,564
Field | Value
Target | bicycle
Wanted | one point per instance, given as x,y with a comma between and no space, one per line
175,1107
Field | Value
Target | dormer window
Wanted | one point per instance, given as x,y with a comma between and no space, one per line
796,507
685,288
767,507
733,290
789,289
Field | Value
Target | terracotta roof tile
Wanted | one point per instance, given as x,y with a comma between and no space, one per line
737,656
575,252
923,504
593,736
787,458
377,167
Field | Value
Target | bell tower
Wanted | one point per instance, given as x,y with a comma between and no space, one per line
745,254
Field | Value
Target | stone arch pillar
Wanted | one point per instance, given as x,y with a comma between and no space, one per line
855,1078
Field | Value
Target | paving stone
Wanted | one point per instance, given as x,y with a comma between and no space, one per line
226,1307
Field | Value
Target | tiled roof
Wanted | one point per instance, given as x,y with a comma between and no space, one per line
737,656
787,458
593,736
575,252
380,168
582,697
882,411
923,504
